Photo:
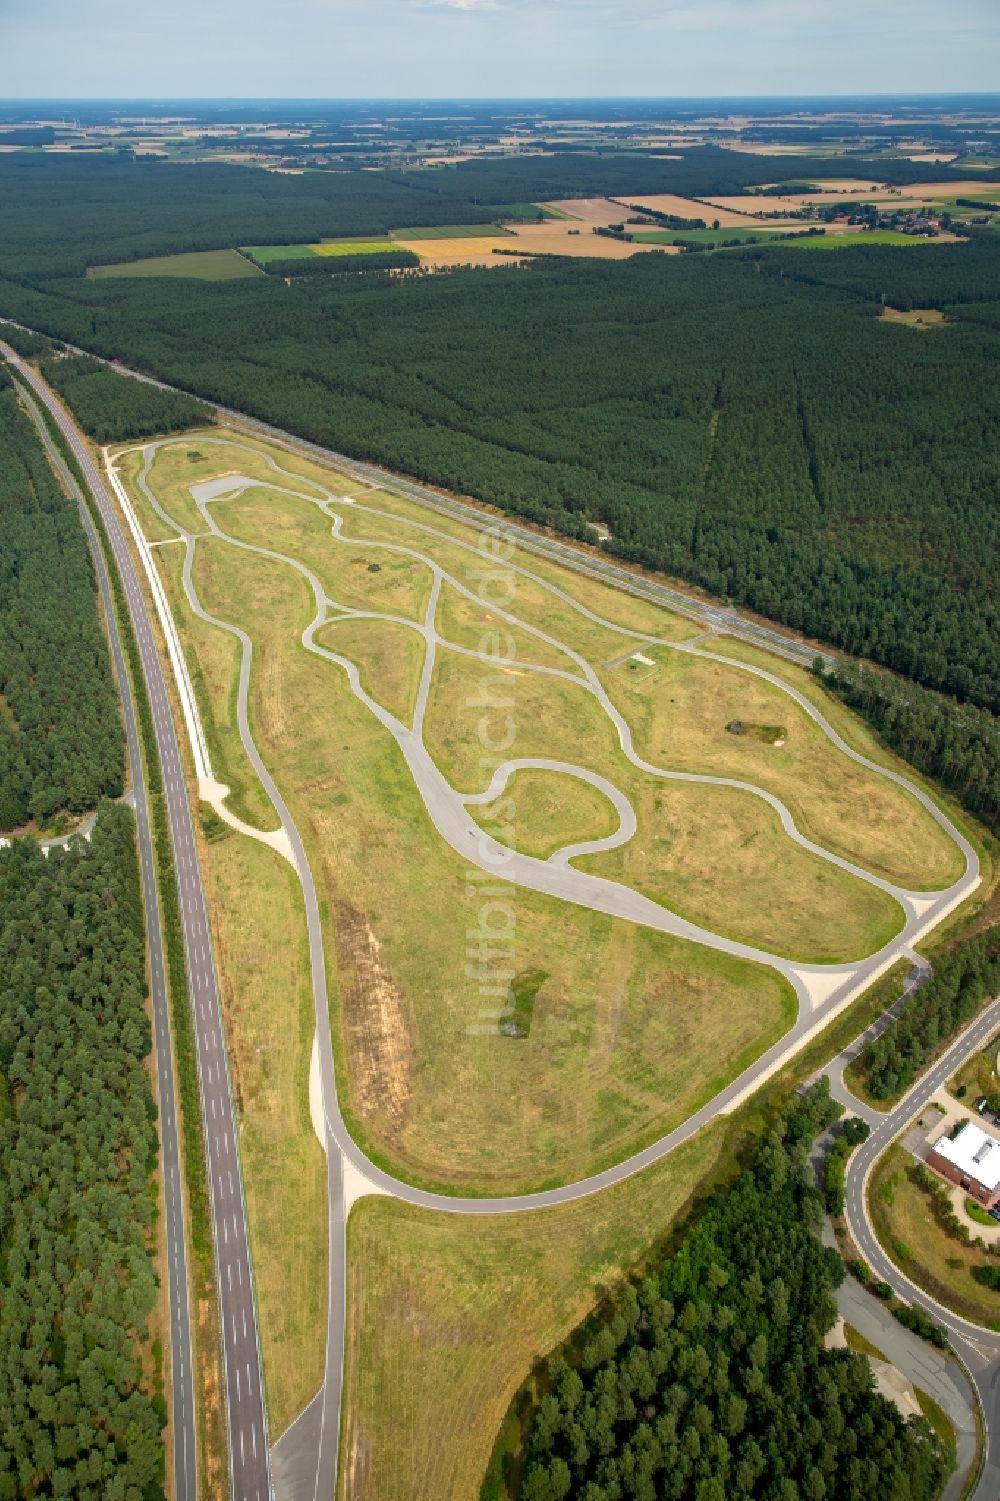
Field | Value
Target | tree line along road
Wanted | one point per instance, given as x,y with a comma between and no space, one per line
249,1459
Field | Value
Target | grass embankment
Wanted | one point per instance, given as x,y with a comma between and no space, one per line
978,1075
259,930
912,1235
624,1028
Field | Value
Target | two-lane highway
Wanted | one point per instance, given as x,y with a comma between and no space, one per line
246,1413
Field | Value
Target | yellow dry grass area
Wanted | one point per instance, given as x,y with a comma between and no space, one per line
259,926
465,250
588,211
679,716
630,1032
723,860
479,714
718,856
492,576
465,623
560,237
613,605
853,729
909,1231
540,812
360,578
213,663
447,1314
918,317
388,657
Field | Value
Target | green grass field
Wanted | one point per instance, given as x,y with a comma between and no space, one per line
452,232
612,1054
265,253
863,237
709,237
202,265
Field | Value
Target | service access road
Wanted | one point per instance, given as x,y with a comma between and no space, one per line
979,1348
249,1458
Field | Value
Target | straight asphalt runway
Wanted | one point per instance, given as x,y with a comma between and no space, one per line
183,1408
246,1415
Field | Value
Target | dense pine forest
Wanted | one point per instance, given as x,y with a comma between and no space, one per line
112,408
61,742
744,421
963,979
767,438
709,1381
77,1148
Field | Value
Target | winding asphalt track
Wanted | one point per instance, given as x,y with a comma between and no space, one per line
249,1457
182,1408
448,811
979,1348
249,1400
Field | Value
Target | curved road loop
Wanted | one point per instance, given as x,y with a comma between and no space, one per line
448,810
249,1457
978,1347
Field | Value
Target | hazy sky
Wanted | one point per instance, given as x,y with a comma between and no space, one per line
407,48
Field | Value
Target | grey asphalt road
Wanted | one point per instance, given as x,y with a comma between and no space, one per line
249,1457
931,1370
978,1348
183,1409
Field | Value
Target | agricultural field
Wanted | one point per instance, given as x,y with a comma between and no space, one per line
842,239
451,232
708,237
199,265
264,254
